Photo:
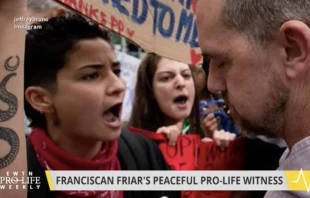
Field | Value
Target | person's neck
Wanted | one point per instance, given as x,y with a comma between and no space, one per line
170,122
75,146
296,123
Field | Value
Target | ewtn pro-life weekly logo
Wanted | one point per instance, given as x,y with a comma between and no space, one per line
15,180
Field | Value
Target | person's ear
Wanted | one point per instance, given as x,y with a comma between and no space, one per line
39,99
294,37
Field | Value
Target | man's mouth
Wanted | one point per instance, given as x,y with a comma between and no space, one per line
113,114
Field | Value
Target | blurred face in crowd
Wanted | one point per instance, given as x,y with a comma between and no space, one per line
89,94
249,78
174,89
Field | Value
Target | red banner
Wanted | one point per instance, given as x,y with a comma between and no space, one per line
190,153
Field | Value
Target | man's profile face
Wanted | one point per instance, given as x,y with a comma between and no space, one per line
247,76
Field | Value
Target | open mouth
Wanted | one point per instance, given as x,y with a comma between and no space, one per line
180,99
113,114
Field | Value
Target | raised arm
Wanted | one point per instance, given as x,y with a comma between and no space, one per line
12,136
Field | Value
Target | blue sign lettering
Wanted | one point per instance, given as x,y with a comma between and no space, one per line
186,21
188,3
139,19
194,41
164,18
159,20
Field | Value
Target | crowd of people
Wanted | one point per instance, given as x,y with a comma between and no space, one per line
255,66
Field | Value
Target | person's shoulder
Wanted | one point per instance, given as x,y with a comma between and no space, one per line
138,138
142,147
147,155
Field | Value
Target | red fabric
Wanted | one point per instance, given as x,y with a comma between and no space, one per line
52,157
190,153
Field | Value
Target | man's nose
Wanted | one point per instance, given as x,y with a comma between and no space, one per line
216,83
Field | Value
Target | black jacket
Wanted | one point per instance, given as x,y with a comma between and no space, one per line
135,153
261,155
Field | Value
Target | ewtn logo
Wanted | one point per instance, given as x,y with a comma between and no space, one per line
14,180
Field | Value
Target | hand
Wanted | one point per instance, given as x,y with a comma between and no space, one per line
210,124
172,133
223,138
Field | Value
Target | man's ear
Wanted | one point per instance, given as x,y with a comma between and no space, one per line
294,37
40,99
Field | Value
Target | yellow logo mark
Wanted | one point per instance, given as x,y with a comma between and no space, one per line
298,180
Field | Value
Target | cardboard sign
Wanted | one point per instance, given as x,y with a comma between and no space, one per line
190,153
166,27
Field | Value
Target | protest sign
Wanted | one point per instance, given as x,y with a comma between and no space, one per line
166,27
182,156
129,67
190,153
212,157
